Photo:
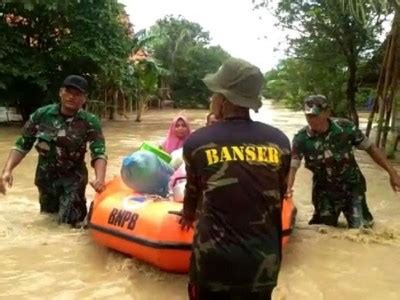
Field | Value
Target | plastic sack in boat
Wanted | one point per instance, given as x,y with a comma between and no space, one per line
177,184
177,158
145,173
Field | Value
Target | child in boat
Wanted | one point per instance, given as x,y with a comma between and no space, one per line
211,119
178,132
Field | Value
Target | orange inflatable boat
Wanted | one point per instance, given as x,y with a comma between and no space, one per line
147,228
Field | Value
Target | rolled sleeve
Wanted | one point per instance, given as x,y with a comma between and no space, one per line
359,140
20,146
365,144
297,154
96,140
295,163
27,139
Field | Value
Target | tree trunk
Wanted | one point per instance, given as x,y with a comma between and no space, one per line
393,122
371,117
123,102
390,79
140,109
352,89
130,104
105,104
111,111
389,108
114,105
379,87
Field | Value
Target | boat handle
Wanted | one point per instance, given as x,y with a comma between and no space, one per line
176,212
178,178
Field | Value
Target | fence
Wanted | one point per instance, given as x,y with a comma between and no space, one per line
9,114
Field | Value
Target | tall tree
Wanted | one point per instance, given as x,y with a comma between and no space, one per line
183,47
147,72
389,78
43,41
175,36
324,30
293,79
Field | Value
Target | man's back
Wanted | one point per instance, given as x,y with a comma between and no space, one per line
240,166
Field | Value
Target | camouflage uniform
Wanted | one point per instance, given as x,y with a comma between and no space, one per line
236,182
61,174
338,184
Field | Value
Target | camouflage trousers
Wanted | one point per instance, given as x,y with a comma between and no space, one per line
329,203
63,194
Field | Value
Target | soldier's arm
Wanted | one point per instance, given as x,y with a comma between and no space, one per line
358,138
193,190
13,160
363,143
24,142
295,163
291,179
96,141
6,179
285,165
100,166
98,152
381,160
23,145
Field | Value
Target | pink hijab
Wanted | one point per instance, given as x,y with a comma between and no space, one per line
172,142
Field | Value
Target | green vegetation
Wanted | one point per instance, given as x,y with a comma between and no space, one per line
334,48
43,41
184,49
329,50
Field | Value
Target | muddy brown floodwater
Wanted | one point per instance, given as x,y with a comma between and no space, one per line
42,260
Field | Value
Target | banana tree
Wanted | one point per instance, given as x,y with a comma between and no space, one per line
146,72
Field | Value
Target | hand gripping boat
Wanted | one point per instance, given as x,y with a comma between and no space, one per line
148,229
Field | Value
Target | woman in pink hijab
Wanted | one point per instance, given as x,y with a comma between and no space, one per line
177,134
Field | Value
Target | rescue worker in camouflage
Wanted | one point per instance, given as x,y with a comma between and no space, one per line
338,184
60,133
236,179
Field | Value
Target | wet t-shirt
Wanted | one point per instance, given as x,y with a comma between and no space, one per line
236,179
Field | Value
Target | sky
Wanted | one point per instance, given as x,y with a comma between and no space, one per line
232,24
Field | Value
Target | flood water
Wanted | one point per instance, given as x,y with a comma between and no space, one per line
42,260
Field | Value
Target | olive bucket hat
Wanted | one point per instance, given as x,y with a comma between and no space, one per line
239,81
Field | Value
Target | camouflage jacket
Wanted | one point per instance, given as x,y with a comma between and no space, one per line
236,179
61,141
330,156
